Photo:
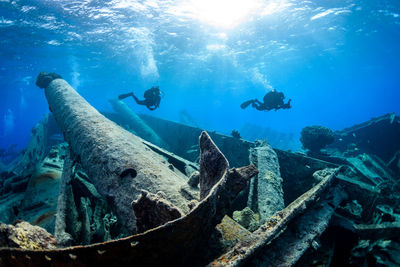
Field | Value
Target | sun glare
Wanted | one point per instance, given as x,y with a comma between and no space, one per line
222,13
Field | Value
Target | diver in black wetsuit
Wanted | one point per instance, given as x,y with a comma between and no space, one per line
152,98
272,100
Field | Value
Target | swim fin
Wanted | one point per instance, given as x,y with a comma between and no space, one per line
246,104
120,97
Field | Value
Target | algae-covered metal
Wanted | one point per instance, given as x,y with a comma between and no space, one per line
174,243
117,161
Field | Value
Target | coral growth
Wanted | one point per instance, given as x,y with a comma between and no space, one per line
44,78
247,218
236,134
316,137
24,235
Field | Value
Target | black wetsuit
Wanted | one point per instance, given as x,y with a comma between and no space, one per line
272,100
152,98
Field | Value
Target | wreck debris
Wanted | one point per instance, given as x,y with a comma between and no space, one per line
194,179
83,215
297,173
106,151
394,163
184,166
372,169
244,252
65,206
33,196
377,242
266,195
287,249
247,218
316,137
153,210
14,181
38,146
40,199
176,242
370,231
370,213
351,209
372,186
231,233
378,253
385,230
213,164
366,194
378,136
385,213
183,141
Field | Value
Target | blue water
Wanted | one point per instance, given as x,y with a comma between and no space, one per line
339,61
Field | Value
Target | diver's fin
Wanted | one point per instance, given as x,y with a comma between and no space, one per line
120,97
246,104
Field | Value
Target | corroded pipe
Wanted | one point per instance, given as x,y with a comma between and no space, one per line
266,193
119,164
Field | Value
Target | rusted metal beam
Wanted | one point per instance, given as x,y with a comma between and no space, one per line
244,251
301,234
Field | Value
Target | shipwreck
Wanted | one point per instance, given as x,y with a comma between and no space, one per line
128,189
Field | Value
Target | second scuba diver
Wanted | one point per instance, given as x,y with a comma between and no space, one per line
152,98
272,100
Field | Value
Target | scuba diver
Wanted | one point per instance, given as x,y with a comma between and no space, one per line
152,98
272,100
